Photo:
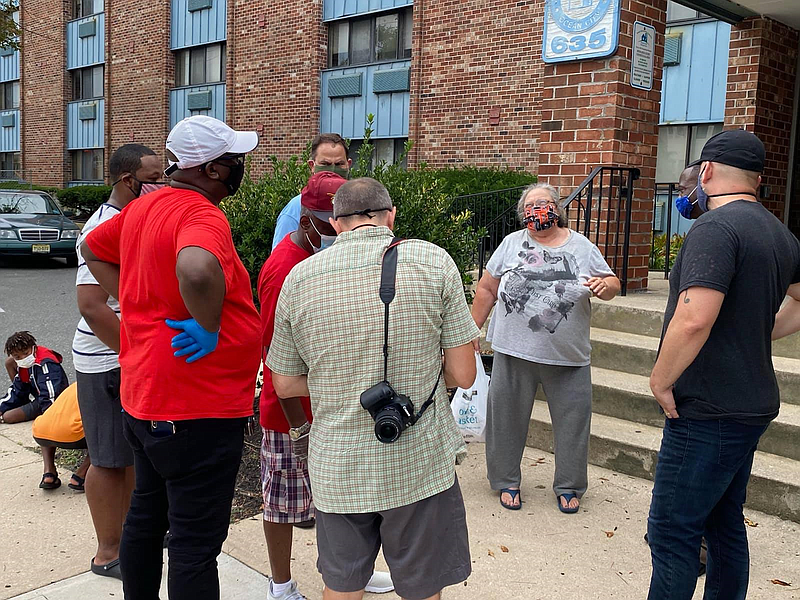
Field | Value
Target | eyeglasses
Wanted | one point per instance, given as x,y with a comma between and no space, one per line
540,203
236,158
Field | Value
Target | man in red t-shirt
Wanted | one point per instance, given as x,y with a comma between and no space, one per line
284,478
169,259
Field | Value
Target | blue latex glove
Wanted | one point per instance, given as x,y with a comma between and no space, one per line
194,339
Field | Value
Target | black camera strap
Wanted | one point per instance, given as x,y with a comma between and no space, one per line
386,292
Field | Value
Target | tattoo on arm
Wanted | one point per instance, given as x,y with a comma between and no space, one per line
686,297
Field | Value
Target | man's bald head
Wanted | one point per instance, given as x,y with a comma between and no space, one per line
688,180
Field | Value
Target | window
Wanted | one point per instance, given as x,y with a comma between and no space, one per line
679,12
87,165
199,65
84,8
87,83
678,145
27,203
387,150
370,39
9,95
10,164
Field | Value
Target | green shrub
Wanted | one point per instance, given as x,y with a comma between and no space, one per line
83,200
253,211
425,206
424,198
659,249
472,180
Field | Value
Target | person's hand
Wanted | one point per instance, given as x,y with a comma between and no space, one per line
596,285
476,344
193,339
665,399
300,448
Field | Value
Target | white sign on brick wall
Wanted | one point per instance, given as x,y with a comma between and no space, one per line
580,29
644,51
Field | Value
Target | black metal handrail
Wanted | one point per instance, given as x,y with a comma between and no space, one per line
486,209
670,190
603,203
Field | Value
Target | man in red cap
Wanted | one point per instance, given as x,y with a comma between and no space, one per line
284,478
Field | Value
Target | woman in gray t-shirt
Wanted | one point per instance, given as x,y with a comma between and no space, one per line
543,277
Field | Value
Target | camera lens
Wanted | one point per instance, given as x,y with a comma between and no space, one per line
388,428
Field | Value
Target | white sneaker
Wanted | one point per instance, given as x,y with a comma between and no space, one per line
290,594
380,583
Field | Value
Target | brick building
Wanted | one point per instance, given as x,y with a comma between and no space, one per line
466,81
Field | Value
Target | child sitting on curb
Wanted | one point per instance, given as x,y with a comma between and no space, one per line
39,375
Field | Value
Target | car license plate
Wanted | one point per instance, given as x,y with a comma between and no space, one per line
40,248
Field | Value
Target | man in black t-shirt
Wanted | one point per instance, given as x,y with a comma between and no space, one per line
713,377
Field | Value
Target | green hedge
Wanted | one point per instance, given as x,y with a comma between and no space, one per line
83,200
423,197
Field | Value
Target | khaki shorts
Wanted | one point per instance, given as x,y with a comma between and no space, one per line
425,544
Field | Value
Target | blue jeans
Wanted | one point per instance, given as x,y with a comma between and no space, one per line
700,488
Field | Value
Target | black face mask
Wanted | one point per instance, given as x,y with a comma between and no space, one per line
234,179
136,193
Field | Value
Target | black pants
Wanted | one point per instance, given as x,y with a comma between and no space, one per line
184,483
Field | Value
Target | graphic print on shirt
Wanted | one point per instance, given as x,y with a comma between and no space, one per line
544,286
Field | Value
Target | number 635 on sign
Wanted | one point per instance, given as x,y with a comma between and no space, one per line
580,29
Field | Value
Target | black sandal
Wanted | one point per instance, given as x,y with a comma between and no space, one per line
50,485
79,487
112,569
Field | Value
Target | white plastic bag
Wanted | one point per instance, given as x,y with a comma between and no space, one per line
469,406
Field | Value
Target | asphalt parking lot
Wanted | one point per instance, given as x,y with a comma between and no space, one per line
38,295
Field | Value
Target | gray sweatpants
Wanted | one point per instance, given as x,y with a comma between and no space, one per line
569,397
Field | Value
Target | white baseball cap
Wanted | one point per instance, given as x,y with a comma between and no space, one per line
200,139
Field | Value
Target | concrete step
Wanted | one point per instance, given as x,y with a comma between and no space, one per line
632,448
636,354
628,319
646,320
626,396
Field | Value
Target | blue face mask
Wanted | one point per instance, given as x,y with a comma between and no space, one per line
702,197
685,205
325,241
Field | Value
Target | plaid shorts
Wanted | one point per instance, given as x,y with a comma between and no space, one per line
284,481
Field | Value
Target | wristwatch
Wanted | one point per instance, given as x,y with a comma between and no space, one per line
295,433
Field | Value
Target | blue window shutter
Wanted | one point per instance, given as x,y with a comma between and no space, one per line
393,80
87,112
672,49
87,28
195,5
199,100
344,86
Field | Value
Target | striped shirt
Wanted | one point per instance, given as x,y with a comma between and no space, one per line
89,354
329,325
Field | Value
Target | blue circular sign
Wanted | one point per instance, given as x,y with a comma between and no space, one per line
573,24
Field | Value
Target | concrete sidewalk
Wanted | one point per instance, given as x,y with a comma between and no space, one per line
535,553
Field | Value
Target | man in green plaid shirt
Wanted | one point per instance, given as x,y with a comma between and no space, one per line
328,344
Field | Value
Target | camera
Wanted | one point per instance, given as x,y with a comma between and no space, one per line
540,217
392,412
